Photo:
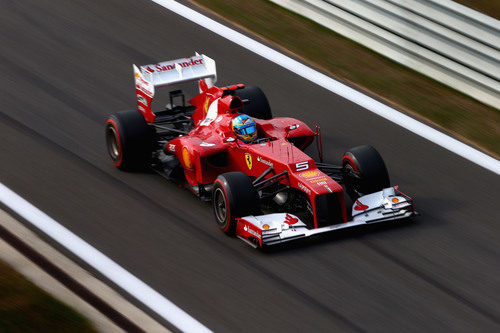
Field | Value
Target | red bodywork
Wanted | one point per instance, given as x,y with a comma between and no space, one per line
211,148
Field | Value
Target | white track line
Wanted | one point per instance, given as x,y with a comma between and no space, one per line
144,293
336,87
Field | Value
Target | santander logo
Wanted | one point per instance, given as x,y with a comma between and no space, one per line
290,220
162,67
359,206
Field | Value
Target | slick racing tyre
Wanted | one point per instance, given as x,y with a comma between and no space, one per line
233,196
364,171
129,140
258,106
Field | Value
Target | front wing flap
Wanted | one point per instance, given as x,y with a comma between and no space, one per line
270,229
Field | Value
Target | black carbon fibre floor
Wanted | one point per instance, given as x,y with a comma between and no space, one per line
66,64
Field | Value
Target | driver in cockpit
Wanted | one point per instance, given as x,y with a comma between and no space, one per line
244,128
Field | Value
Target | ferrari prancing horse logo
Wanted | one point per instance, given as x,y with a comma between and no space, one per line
248,159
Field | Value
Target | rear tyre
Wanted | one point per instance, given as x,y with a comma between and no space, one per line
233,196
129,140
258,106
364,171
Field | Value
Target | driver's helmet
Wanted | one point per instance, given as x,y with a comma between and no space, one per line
244,127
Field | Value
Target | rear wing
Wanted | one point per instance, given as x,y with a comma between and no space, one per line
147,77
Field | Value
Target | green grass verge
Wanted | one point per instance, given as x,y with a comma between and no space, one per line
350,62
488,7
26,308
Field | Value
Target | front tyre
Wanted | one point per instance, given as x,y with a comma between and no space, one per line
129,140
364,171
233,196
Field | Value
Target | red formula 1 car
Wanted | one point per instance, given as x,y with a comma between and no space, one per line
265,190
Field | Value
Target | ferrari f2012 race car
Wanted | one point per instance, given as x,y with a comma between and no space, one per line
227,148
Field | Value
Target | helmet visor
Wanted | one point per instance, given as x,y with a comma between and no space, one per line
247,130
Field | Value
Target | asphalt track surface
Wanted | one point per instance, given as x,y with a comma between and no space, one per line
65,65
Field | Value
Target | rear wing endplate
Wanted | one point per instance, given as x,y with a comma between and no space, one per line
147,77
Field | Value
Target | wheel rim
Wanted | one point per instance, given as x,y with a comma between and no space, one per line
113,143
349,168
220,206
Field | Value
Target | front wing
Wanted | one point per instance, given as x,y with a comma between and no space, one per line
265,230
